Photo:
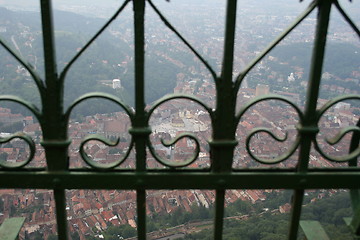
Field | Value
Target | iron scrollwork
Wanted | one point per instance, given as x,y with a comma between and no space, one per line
293,147
95,137
336,139
172,142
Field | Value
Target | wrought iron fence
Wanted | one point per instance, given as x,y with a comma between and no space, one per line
54,120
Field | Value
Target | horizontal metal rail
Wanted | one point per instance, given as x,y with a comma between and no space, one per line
160,180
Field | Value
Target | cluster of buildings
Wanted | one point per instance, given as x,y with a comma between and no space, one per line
90,212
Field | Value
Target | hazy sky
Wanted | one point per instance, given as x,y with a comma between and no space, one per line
104,3
109,5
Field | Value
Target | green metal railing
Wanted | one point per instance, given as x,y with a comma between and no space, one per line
221,176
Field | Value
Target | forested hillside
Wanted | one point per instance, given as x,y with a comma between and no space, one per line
109,57
329,211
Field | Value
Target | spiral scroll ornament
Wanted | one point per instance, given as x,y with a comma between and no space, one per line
340,135
31,144
256,131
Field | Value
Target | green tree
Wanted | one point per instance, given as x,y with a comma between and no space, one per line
75,236
3,156
89,237
124,231
239,207
12,211
53,237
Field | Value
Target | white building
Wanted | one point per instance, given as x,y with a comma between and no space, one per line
116,83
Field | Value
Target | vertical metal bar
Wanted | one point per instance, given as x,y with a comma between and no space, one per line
60,200
355,140
48,39
222,146
296,213
219,213
355,193
309,127
140,129
223,143
52,122
229,42
53,125
141,213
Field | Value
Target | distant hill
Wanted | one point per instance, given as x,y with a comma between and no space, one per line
109,57
340,58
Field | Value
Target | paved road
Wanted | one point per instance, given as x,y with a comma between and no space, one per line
15,44
172,237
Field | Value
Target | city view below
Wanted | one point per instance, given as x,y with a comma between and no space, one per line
170,68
